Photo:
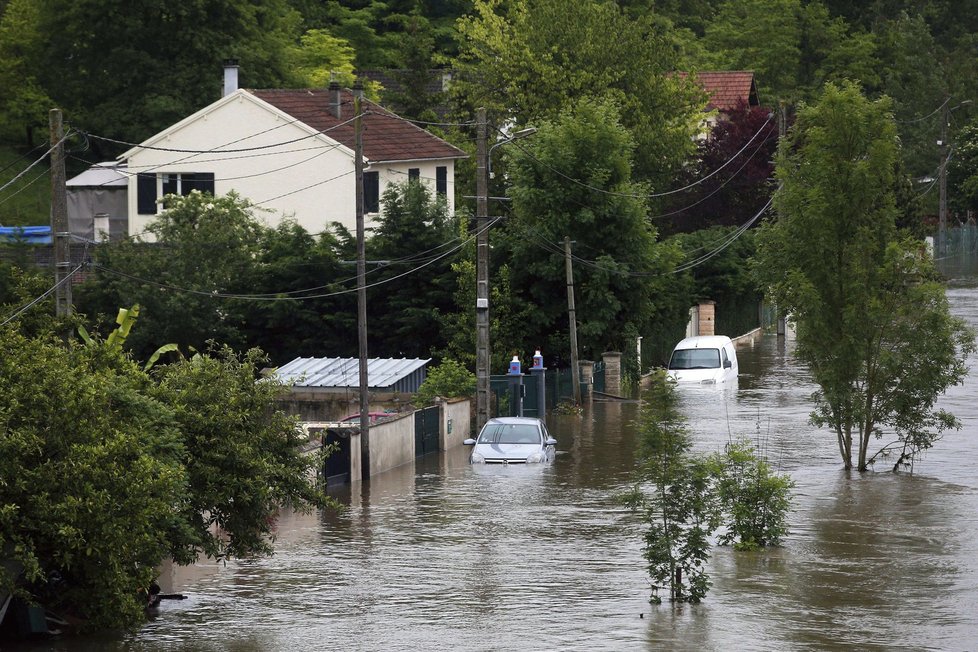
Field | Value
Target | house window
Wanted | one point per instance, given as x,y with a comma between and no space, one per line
441,180
414,174
371,192
150,187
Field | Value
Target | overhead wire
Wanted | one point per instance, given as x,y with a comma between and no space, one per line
44,295
278,296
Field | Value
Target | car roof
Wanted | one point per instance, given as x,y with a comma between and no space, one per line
515,420
704,342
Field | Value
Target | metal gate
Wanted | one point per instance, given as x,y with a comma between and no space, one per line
427,424
598,379
336,468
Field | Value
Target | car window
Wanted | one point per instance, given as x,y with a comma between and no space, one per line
519,434
695,359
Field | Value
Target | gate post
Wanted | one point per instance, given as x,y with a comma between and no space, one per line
515,377
612,372
587,377
540,372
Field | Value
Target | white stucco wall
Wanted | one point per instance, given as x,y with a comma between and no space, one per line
286,168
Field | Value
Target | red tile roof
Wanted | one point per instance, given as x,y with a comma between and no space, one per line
386,136
727,88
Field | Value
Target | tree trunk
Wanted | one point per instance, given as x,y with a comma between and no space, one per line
845,446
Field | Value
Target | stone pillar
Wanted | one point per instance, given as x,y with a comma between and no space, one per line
707,318
540,373
612,372
587,378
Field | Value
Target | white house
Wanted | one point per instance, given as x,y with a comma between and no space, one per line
289,151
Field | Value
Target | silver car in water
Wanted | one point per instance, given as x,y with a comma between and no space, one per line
513,440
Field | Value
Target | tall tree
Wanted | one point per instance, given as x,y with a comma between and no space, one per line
573,178
163,58
528,60
414,242
872,320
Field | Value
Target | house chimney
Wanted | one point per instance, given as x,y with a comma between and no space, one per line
335,99
230,76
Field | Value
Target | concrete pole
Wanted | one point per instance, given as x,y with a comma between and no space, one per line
942,177
482,273
361,288
572,318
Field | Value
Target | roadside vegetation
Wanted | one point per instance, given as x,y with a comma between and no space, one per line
107,466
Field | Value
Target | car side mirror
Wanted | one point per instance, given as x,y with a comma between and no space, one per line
551,441
727,364
469,442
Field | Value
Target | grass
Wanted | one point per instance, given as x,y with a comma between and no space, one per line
26,201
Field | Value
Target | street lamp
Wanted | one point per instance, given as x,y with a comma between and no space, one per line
482,174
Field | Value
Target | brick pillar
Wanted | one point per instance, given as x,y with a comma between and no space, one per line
612,372
707,318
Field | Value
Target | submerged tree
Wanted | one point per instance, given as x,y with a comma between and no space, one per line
872,319
682,508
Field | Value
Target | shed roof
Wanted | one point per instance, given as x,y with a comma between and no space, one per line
345,372
727,88
386,136
101,175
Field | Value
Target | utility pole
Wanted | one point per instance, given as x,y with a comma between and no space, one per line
942,184
59,217
575,367
361,287
482,273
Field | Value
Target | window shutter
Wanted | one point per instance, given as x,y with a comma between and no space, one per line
146,193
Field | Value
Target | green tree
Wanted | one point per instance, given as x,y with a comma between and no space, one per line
298,297
106,471
755,499
242,460
90,471
962,170
682,508
527,61
415,285
861,297
450,379
25,105
619,266
164,58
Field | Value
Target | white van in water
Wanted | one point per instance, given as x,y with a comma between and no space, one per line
704,359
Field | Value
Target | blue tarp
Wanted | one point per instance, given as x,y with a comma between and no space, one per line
26,234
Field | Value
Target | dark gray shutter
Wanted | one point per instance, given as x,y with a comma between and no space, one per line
146,193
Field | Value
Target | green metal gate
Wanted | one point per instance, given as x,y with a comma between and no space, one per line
426,430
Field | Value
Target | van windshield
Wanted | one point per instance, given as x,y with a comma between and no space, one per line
695,359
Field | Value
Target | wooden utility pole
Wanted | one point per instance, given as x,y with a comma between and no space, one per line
59,217
361,288
575,366
482,272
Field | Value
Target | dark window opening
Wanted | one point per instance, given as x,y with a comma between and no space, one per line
414,174
441,180
371,192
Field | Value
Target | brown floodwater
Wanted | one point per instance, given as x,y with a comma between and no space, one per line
440,554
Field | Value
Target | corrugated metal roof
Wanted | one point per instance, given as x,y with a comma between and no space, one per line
345,372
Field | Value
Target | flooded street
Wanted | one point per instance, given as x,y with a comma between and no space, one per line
442,554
